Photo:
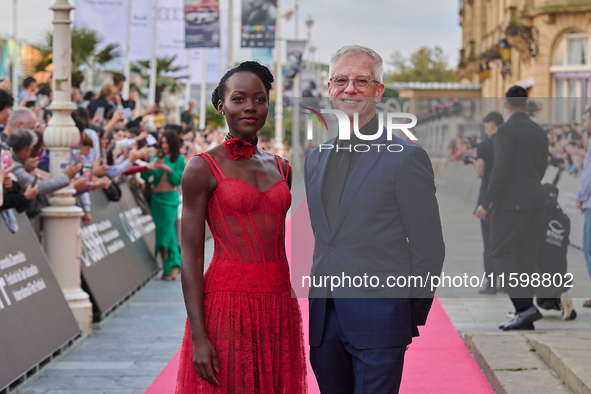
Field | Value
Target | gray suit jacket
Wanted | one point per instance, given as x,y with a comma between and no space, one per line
45,187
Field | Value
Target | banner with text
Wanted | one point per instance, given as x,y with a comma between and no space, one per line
258,23
109,18
142,28
171,34
35,319
115,259
202,23
295,50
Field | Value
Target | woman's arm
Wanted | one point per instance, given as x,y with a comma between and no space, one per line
197,184
146,174
175,176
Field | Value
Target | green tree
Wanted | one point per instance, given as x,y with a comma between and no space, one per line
87,51
213,118
164,80
424,65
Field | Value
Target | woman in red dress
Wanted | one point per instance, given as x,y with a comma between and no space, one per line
244,329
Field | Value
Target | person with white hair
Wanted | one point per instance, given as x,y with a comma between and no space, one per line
372,212
22,141
20,118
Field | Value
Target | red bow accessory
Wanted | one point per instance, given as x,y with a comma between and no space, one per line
238,148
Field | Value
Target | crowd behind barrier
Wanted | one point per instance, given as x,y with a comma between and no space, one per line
116,169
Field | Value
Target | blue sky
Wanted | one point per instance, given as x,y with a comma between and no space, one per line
384,25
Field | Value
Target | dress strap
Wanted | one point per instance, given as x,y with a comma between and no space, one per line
281,167
213,165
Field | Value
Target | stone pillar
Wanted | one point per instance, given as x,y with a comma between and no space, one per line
61,220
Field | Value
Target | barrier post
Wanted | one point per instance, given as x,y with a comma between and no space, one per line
61,220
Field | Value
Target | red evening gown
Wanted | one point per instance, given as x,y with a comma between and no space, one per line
251,319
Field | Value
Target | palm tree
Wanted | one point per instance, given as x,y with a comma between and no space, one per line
164,80
86,51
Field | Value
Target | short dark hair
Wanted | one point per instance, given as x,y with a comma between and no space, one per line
251,67
6,99
88,95
132,124
494,117
21,139
118,78
516,97
28,81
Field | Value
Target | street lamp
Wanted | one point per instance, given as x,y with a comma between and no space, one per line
61,220
505,49
309,23
486,71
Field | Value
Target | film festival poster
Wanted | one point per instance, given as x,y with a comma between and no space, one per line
202,23
258,23
295,50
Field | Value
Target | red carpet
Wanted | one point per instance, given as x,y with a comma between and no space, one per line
165,383
437,362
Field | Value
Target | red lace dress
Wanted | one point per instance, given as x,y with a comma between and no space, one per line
251,319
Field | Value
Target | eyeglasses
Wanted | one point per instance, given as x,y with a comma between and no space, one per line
360,83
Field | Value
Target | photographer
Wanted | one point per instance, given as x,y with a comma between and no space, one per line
483,165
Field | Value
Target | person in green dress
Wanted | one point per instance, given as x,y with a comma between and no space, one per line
165,172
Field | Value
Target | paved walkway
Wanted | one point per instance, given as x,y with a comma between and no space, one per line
553,359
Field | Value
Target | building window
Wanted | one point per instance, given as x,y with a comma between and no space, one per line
571,73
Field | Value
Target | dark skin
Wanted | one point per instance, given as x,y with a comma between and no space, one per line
245,106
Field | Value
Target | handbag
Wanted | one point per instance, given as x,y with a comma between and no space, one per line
113,192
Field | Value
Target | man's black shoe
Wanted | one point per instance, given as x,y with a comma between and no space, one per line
527,326
523,320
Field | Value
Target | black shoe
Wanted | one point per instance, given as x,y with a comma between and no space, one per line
526,326
523,320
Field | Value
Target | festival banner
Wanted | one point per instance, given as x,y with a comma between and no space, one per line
258,23
35,319
217,58
109,18
142,28
171,33
263,56
202,23
295,50
116,258
213,70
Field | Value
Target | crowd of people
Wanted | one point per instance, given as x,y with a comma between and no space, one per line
118,144
567,145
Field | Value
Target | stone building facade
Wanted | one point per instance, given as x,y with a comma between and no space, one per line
549,43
